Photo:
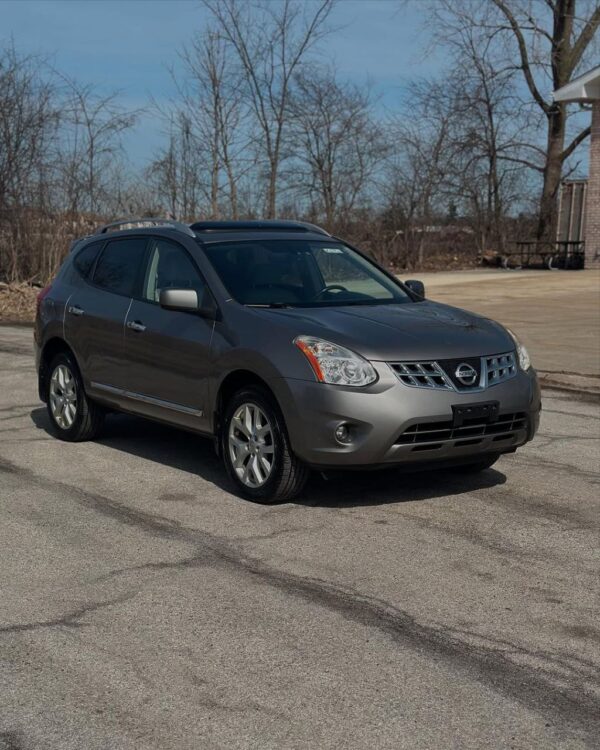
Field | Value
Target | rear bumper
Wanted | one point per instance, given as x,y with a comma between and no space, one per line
379,416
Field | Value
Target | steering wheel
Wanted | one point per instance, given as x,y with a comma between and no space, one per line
330,288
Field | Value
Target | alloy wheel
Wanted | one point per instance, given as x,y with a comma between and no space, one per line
63,397
251,445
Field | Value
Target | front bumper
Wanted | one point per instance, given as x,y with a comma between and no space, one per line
379,416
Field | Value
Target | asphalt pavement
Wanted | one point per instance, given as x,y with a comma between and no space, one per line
143,605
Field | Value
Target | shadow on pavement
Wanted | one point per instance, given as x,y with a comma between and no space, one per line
386,486
194,454
152,441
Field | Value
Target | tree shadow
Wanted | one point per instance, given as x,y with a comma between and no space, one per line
194,454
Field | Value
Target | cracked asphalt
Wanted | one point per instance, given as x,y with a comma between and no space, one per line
142,605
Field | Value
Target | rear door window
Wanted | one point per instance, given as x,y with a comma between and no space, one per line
119,266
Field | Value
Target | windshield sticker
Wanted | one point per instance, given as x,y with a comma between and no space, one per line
333,250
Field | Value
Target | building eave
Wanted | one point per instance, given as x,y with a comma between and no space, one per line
584,88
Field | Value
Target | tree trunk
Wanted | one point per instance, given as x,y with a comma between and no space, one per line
214,190
271,207
233,196
546,230
562,67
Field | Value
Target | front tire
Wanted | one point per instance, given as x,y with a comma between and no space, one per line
256,449
73,416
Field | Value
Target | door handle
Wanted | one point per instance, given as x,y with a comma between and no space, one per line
75,310
135,325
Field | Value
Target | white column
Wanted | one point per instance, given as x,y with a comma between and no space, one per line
592,206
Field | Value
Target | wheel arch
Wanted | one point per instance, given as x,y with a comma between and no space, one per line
231,383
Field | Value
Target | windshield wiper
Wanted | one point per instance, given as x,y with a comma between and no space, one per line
271,305
357,302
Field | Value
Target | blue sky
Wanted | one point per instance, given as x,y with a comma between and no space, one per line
128,44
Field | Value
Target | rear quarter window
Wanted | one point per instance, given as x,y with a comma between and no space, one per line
84,259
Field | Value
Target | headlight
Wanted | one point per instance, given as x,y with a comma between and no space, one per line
522,352
334,364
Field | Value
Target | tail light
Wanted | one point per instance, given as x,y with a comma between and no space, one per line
44,293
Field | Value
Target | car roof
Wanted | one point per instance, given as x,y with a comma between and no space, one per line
208,232
247,230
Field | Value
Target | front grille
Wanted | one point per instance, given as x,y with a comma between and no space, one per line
441,374
421,375
471,432
500,367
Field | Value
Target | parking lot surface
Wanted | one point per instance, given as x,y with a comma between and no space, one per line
142,605
557,314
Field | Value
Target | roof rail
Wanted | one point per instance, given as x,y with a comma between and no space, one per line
151,221
257,226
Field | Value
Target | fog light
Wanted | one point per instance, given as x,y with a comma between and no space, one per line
342,433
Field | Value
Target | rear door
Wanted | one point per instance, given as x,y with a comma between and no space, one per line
96,311
168,351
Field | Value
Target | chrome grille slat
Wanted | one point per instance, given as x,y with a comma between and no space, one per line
495,369
500,368
422,375
434,432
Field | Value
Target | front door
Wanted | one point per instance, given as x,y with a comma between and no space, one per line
168,352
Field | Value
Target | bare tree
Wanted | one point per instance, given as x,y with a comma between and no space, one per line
336,143
271,42
568,37
212,95
29,118
415,178
493,135
178,173
544,43
163,176
57,158
94,124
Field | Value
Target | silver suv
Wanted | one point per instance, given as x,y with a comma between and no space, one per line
286,346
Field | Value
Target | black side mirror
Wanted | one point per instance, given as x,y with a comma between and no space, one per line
417,287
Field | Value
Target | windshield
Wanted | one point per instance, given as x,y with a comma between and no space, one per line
301,273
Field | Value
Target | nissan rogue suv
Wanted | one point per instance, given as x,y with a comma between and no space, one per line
289,348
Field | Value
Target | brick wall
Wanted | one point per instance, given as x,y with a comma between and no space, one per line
592,207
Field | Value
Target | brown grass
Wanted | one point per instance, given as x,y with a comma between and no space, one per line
17,303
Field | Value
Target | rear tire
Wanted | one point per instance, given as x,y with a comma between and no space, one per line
476,466
256,449
73,416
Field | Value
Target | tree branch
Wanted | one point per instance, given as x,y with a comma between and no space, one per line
525,64
575,142
524,162
585,38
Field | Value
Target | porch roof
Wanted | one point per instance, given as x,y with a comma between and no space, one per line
584,88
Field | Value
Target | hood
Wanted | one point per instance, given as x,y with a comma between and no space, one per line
412,331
